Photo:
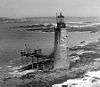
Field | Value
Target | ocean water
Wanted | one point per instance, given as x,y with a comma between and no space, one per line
12,40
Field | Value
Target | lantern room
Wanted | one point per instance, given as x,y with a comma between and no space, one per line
60,21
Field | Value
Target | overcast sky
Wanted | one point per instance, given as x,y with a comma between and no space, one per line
25,8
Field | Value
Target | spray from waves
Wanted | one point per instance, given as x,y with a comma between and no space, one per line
81,24
6,70
90,79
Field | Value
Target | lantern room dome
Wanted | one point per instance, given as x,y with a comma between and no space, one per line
60,16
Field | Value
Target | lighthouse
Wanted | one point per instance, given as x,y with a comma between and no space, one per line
61,59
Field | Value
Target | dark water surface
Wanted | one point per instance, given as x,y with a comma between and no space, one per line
13,40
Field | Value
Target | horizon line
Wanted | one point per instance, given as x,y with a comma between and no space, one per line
48,17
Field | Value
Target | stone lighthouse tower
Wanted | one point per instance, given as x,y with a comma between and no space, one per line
60,45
